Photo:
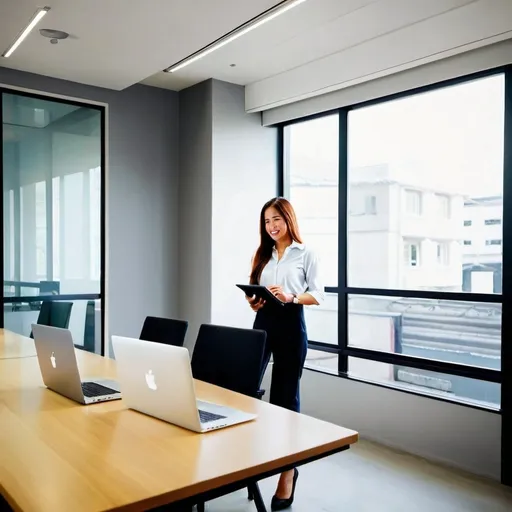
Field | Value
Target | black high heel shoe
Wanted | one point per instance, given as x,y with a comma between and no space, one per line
282,504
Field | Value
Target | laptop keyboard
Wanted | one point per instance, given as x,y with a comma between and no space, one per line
206,417
92,389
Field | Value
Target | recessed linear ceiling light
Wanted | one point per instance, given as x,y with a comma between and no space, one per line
26,31
281,8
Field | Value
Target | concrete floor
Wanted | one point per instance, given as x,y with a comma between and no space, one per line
372,478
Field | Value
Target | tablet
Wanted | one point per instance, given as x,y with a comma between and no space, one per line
260,291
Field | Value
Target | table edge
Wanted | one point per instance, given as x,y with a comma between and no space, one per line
189,492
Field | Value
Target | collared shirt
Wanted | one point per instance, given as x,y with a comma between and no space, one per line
298,271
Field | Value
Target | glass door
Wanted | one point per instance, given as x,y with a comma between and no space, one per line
52,159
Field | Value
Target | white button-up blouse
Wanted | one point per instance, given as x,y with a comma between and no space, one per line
298,271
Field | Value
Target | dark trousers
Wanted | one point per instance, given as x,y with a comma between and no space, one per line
287,342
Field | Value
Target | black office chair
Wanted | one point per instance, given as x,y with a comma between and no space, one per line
54,314
231,358
164,330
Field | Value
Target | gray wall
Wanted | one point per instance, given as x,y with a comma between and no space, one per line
195,206
142,196
228,169
244,172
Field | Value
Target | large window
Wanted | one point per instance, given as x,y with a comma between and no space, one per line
417,301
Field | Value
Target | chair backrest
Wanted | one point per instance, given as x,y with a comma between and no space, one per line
54,314
229,357
89,328
164,330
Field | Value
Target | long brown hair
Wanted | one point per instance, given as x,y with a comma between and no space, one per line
264,252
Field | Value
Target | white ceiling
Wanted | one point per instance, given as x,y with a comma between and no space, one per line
116,43
383,38
289,40
317,29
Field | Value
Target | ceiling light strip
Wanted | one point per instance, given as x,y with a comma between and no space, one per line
26,31
236,33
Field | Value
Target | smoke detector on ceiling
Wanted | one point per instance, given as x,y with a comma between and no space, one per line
54,35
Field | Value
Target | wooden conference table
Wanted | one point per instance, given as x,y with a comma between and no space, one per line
13,346
57,455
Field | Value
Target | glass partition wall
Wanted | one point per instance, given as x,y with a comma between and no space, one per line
53,215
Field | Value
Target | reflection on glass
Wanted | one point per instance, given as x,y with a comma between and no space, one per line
426,190
463,389
320,360
84,321
52,203
466,333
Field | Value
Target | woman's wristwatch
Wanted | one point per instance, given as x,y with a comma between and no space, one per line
295,299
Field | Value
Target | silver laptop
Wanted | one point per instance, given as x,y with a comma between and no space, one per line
156,379
59,368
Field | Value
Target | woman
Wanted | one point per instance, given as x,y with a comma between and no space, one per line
290,270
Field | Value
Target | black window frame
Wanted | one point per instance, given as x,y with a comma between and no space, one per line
101,296
343,350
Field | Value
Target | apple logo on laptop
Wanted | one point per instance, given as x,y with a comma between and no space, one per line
150,380
53,360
